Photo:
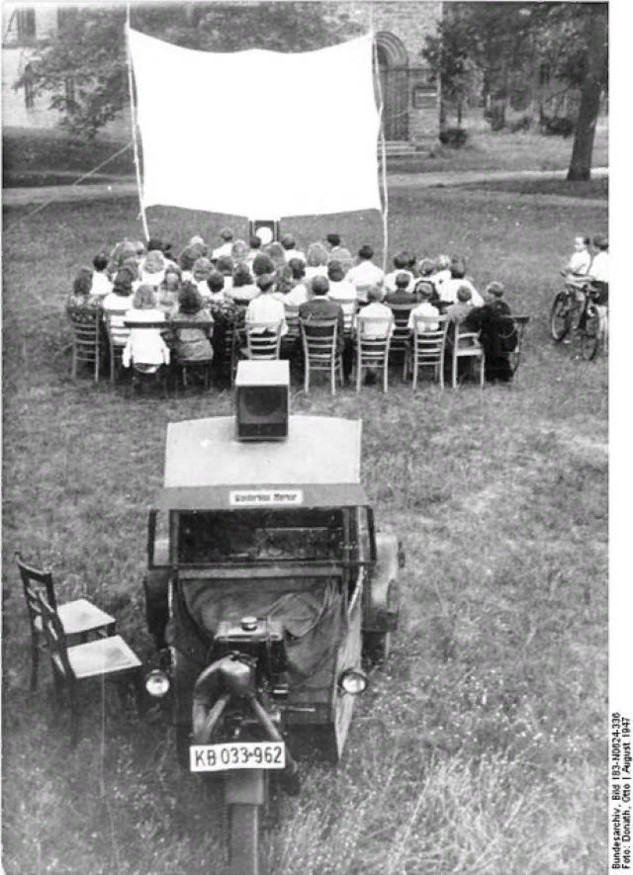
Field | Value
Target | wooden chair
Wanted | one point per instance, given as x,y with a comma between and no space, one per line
104,658
466,345
400,336
427,347
320,351
349,308
117,334
292,321
234,340
263,340
373,351
79,618
85,324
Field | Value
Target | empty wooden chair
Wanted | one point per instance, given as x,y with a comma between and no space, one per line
320,350
104,658
466,345
79,618
85,325
373,339
427,347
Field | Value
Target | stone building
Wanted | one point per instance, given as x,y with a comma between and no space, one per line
410,100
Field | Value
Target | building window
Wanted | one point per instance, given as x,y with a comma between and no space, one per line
544,74
26,25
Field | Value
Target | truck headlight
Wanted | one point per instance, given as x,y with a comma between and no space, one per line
353,681
157,683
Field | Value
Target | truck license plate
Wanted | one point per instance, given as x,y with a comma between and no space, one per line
237,755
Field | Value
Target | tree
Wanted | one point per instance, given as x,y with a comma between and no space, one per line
506,41
83,66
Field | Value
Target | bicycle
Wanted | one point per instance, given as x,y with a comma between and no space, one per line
568,307
575,307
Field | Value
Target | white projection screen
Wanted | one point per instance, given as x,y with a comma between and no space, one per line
257,133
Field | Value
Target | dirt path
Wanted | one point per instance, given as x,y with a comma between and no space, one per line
125,188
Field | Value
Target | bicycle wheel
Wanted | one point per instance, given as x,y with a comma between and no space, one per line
589,341
560,316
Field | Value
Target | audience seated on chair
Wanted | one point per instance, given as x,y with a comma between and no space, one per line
167,292
145,346
290,246
401,264
365,274
424,291
243,288
376,310
448,288
215,289
266,308
339,253
120,298
497,333
195,249
404,286
152,268
239,253
101,282
192,343
81,293
226,235
298,294
316,261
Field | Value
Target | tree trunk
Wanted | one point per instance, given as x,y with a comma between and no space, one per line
591,90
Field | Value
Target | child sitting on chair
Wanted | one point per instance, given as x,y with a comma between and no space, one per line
145,346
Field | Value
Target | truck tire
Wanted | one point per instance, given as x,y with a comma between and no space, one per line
376,647
244,839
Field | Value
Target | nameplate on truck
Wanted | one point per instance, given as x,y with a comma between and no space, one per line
265,497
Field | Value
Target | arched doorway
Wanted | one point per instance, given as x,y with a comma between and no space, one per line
393,70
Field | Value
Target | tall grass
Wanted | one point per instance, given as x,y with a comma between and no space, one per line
478,749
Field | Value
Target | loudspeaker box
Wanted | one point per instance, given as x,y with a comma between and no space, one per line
262,400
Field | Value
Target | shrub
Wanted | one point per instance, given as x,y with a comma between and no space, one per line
453,137
557,126
523,123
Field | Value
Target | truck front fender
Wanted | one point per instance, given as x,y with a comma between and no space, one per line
381,602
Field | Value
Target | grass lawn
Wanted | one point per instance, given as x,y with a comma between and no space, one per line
480,748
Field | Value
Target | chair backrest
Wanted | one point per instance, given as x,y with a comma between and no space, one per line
116,329
34,582
85,322
55,636
429,335
401,313
292,321
263,340
349,308
319,338
466,342
373,338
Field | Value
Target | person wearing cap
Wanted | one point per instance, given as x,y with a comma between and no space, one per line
366,274
290,247
424,291
403,292
266,308
226,235
497,333
401,264
448,289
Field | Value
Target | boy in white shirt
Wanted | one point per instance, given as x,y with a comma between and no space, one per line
366,274
581,258
375,310
425,308
101,283
401,262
